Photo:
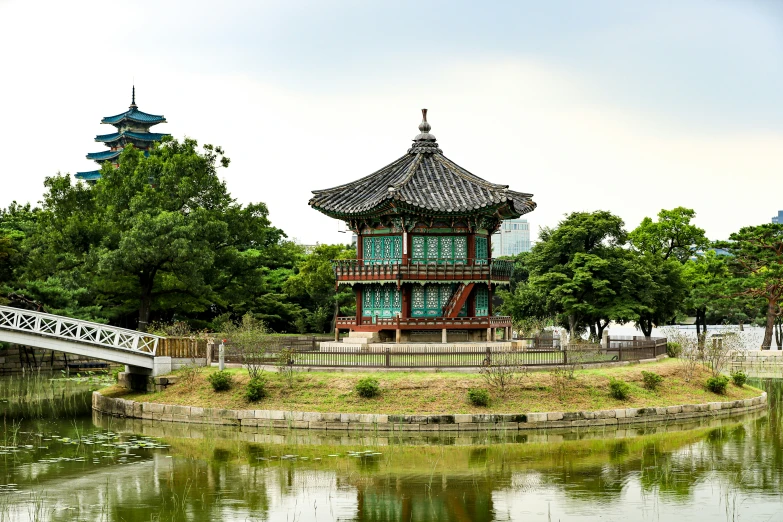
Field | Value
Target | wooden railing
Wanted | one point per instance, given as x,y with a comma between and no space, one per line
440,269
434,355
498,321
182,347
632,348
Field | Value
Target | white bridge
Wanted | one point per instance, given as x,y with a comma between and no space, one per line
62,334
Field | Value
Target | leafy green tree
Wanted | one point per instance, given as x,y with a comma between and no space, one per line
706,276
174,237
313,285
655,290
757,263
672,236
574,265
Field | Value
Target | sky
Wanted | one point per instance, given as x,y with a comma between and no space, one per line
626,106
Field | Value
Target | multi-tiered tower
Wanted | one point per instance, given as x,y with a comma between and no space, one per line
133,126
424,268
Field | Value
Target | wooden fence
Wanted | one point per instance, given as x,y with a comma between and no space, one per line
302,353
182,347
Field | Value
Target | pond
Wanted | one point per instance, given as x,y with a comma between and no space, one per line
62,463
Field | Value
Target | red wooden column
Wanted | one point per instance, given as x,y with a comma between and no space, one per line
359,302
359,246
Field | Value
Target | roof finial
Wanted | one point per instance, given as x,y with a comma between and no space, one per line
424,126
133,98
424,142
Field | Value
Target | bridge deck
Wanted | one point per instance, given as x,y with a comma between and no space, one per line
64,334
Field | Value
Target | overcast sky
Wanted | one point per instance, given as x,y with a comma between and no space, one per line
626,106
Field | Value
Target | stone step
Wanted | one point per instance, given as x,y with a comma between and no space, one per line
363,335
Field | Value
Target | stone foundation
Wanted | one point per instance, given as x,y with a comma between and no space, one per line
426,423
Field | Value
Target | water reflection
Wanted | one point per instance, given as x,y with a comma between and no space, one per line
109,469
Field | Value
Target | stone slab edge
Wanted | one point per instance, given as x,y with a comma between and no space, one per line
458,422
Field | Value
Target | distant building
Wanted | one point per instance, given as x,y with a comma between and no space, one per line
133,126
779,218
512,238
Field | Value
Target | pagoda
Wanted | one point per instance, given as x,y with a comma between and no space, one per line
133,126
424,269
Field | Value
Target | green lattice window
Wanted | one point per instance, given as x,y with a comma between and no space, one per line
429,300
381,300
482,301
382,250
440,249
481,248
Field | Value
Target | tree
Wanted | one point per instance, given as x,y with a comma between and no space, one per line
314,285
672,236
656,290
169,222
575,265
757,263
706,276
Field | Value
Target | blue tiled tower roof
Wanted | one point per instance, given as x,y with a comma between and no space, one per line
135,115
132,127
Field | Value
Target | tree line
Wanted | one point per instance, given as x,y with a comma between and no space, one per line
589,271
161,239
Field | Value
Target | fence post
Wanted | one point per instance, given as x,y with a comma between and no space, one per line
565,354
488,358
620,351
388,357
222,356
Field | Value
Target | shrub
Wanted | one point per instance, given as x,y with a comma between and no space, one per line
619,389
220,381
368,387
286,360
651,380
256,389
739,377
718,384
501,371
478,396
673,349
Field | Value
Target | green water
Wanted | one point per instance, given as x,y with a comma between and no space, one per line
62,463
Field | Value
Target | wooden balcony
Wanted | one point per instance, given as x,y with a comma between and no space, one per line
466,270
370,324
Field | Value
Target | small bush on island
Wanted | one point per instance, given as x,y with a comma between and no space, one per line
619,389
368,388
718,384
501,371
740,378
286,359
478,396
651,380
256,389
673,349
220,381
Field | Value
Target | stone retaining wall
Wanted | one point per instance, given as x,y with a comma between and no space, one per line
458,422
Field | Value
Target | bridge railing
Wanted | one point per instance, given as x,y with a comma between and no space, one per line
77,330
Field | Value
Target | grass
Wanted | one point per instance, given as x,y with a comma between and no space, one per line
440,393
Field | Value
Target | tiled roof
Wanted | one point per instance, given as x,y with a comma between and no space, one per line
422,180
134,114
141,136
105,155
91,175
